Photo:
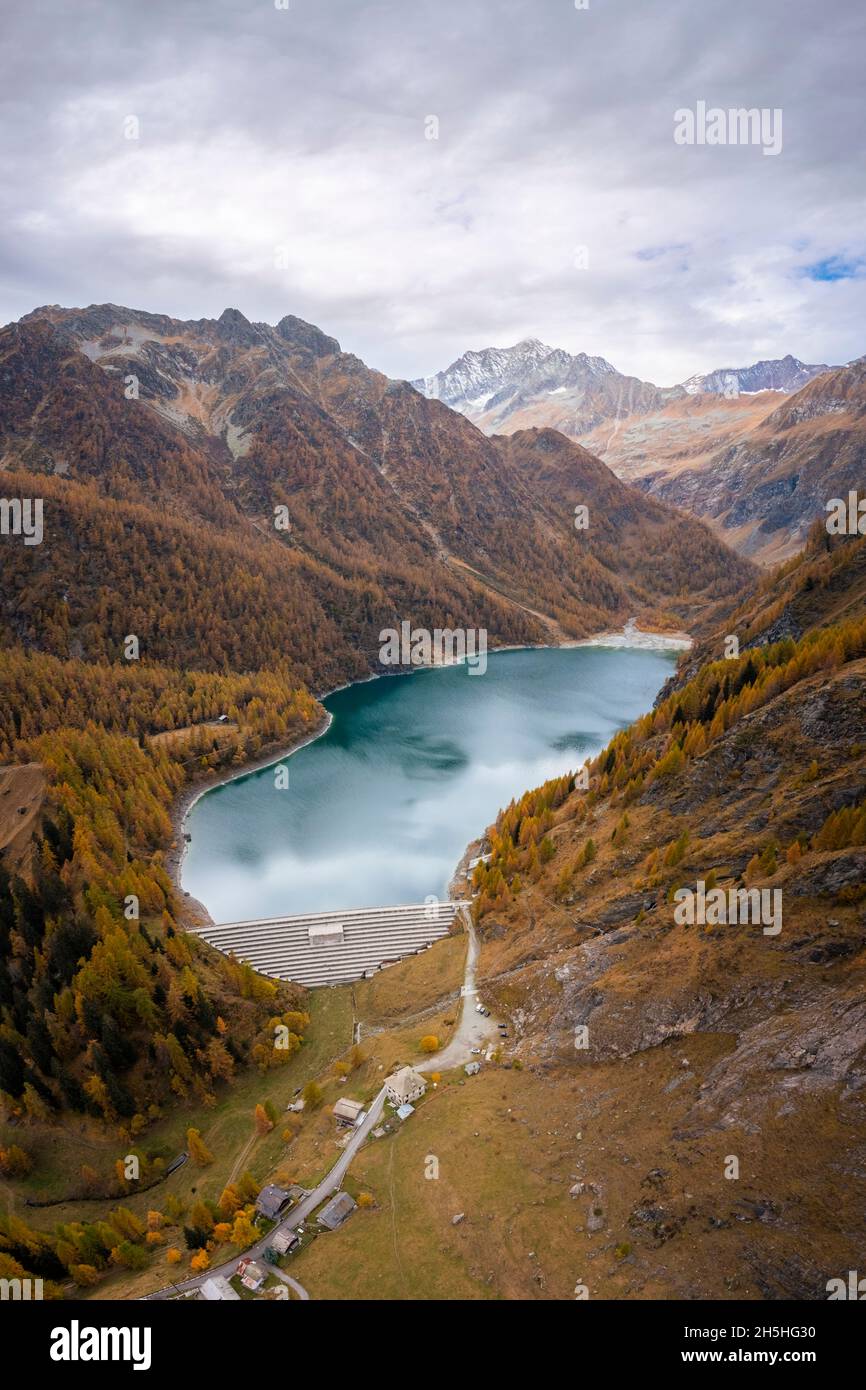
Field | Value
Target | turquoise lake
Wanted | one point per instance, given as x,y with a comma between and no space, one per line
381,807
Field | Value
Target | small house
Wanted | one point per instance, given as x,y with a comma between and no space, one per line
272,1201
404,1086
252,1275
336,1211
349,1112
284,1241
472,1068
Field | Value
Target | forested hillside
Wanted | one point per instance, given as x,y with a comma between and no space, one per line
107,1006
750,774
824,584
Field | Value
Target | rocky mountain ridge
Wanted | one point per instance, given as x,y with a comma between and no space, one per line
200,432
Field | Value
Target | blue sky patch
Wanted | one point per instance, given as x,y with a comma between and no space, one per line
835,268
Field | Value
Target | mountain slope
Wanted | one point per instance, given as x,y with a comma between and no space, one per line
106,1008
633,553
719,1042
822,585
398,507
763,492
721,445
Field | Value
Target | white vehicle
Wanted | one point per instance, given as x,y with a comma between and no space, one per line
475,1051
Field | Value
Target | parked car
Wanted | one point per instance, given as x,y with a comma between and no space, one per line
475,1051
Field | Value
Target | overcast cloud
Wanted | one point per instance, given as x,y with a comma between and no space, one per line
282,167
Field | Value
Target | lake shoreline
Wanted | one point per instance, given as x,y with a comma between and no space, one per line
183,804
629,637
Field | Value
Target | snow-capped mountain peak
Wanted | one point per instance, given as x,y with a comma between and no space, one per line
480,374
773,374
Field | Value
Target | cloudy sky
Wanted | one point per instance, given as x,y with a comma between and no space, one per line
283,164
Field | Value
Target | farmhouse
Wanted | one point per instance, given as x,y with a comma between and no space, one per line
349,1112
252,1275
405,1085
284,1241
336,1211
272,1201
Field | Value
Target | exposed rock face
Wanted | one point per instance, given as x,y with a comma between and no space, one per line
233,328
506,389
531,384
306,335
778,374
